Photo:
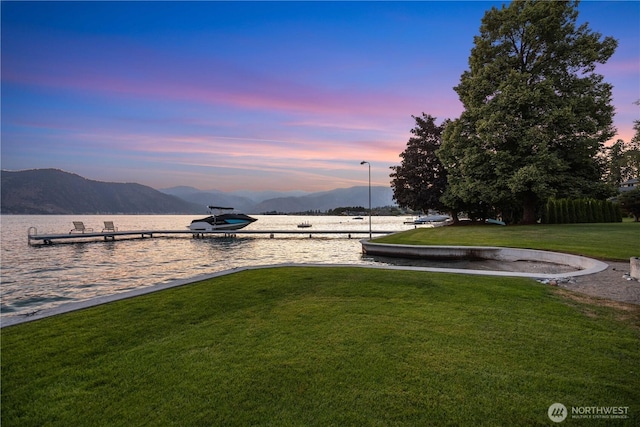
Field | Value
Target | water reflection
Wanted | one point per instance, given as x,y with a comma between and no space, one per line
34,277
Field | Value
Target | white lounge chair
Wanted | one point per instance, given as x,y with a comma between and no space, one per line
108,226
78,227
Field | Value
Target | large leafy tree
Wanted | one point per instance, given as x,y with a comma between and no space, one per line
536,114
420,180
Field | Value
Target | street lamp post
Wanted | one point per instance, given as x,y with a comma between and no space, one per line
362,163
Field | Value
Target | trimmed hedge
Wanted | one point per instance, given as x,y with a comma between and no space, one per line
572,211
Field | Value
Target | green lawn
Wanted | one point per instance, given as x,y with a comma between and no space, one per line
614,241
325,346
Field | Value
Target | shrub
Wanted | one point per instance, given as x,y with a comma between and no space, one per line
571,211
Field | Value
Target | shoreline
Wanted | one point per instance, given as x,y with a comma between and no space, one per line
608,284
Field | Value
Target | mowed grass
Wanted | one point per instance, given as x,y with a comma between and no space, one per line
614,241
324,346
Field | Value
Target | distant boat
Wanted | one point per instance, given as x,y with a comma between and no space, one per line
227,221
304,225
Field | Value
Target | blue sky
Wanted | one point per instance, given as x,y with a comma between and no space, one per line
248,95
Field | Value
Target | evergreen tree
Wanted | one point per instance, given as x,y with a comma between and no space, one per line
420,180
581,211
593,216
564,205
545,214
606,211
571,211
599,217
551,209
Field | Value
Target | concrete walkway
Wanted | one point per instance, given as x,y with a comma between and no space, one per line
581,265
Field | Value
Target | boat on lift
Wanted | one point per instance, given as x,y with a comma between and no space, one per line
221,221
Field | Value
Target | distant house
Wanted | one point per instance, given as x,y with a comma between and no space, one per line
628,185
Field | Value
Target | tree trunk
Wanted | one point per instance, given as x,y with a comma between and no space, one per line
529,208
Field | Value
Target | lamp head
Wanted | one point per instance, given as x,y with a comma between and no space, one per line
363,162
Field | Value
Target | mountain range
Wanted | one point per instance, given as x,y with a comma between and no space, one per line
53,191
286,202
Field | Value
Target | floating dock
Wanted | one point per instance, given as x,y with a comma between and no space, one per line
35,239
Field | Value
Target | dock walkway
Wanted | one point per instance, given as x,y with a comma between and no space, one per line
35,239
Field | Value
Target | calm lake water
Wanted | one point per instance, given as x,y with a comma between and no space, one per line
39,277
34,278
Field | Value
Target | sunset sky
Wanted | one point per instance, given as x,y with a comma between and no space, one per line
248,95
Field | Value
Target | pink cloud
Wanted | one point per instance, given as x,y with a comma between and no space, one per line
296,134
625,67
147,74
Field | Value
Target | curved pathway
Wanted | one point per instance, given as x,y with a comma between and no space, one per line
609,280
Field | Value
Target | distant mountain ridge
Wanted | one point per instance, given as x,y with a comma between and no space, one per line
326,200
212,197
286,202
53,191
